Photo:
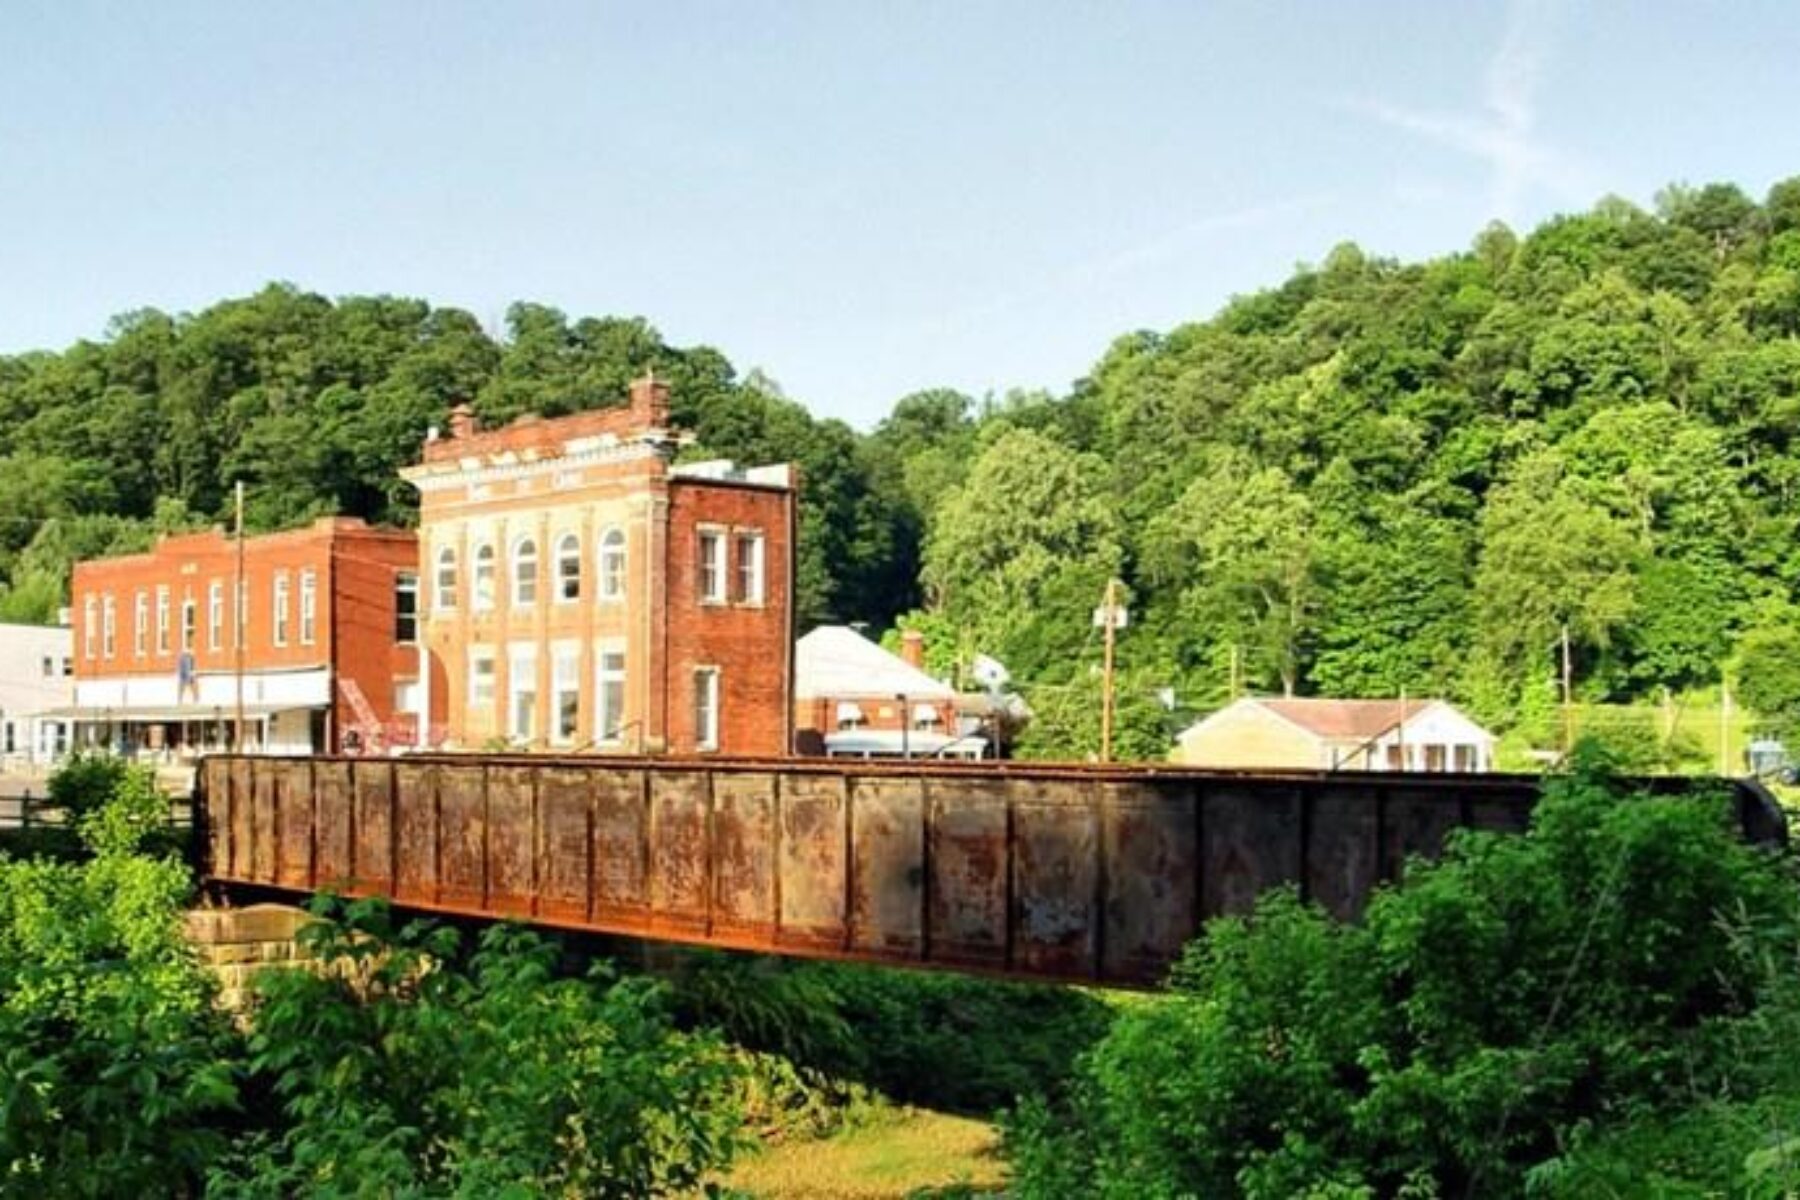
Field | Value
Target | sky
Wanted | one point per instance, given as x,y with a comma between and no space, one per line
861,200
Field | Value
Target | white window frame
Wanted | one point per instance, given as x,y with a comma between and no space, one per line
190,624
406,583
444,580
90,626
521,681
482,697
140,624
484,564
109,640
613,564
750,581
565,685
568,568
524,569
712,564
282,586
309,606
215,615
241,625
162,618
605,674
707,693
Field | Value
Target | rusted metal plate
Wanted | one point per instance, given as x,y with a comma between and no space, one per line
621,878
262,818
1151,861
416,832
511,839
811,861
680,849
565,837
332,809
293,823
372,846
1056,876
243,818
215,781
462,836
1250,842
969,848
1343,847
887,883
743,852
1415,822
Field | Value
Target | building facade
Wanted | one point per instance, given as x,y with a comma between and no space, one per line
36,689
585,593
1337,735
318,649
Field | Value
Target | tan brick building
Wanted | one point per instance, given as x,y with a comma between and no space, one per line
328,615
583,593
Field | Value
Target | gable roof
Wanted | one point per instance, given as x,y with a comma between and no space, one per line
1336,720
835,660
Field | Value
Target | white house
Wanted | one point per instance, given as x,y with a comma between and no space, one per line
1338,735
37,665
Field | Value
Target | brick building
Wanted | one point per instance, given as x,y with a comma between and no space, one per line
583,592
328,661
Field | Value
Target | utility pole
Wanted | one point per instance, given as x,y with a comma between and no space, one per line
1109,616
242,600
1232,688
1567,695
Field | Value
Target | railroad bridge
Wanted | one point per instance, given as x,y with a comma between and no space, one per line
1032,870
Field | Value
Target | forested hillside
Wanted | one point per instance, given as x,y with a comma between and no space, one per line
1375,476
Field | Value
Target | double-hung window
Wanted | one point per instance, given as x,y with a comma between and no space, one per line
750,568
108,617
309,606
522,692
712,566
706,708
406,607
609,670
481,678
215,615
565,692
162,619
140,625
281,609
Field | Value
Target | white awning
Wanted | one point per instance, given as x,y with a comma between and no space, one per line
895,743
848,712
153,715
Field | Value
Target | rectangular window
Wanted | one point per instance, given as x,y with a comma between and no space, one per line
190,618
309,606
162,620
49,667
215,615
108,627
706,708
243,613
565,692
140,625
749,568
712,567
1465,758
521,692
90,626
481,678
281,609
68,665
610,693
1434,758
406,607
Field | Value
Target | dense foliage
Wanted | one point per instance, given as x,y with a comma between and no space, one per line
1609,999
1375,476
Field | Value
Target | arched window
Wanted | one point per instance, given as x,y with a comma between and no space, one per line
446,579
525,564
568,567
483,596
612,565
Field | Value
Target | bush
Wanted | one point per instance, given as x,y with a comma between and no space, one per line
1522,994
401,1069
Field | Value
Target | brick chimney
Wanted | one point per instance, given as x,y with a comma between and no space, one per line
912,648
650,402
463,423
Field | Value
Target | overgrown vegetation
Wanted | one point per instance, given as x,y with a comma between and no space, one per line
1605,1006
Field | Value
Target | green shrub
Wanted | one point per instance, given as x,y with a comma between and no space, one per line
1505,1002
402,1069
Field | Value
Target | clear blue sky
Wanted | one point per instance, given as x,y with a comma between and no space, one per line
861,199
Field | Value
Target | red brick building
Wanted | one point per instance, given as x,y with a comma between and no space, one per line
584,592
327,617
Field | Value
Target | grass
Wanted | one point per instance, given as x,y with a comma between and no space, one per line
1694,721
914,1153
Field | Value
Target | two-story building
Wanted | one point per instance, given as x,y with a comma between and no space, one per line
316,653
584,592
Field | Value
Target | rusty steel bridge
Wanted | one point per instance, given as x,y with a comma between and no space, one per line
1096,874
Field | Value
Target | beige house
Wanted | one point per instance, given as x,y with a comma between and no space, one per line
1338,735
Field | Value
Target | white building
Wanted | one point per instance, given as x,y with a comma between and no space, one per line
1337,735
37,664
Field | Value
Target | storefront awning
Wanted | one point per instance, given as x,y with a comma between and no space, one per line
153,715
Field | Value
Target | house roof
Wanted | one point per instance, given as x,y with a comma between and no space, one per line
835,660
1339,719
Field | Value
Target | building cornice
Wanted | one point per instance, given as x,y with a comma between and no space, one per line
440,477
